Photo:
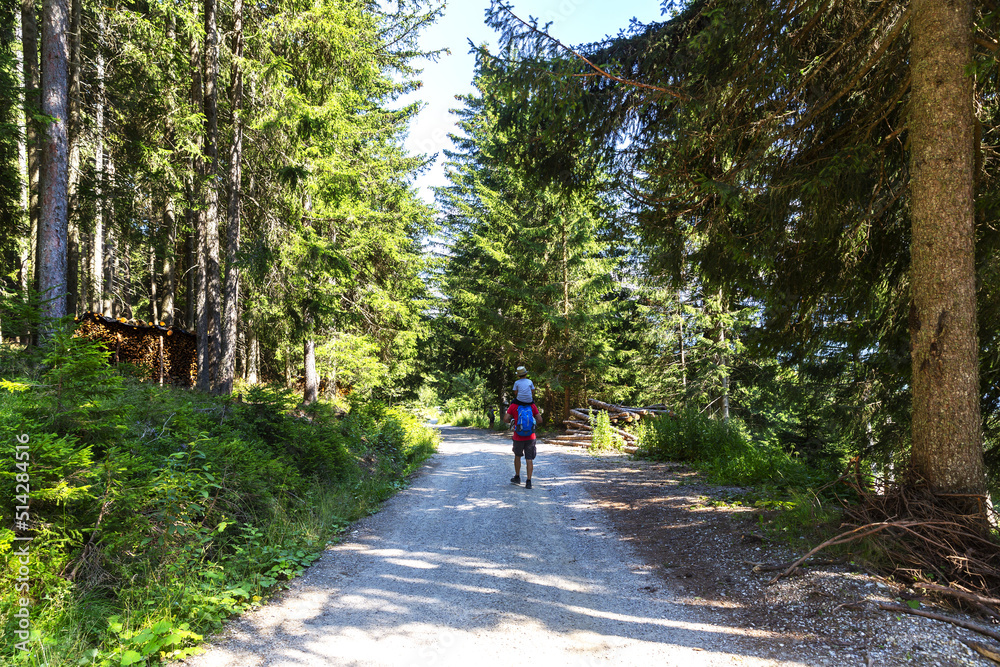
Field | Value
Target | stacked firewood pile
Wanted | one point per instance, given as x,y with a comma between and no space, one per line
166,354
580,426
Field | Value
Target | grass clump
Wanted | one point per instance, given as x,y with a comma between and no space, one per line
156,513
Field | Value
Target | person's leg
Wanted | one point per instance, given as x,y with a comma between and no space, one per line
517,466
518,452
529,458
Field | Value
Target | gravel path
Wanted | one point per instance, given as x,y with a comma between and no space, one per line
464,568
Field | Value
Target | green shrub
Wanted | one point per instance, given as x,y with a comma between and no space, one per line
724,449
466,417
158,512
604,437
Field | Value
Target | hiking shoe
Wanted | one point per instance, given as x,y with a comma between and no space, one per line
527,484
516,479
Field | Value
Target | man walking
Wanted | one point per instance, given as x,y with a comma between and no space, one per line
524,439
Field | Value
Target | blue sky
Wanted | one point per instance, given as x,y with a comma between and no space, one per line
573,22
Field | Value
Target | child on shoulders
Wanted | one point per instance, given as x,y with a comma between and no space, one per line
524,388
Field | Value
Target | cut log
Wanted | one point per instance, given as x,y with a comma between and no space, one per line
609,407
580,414
579,442
582,428
601,405
164,354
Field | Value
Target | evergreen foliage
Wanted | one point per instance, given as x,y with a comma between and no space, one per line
766,144
526,276
330,231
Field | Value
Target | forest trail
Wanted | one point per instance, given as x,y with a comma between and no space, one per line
463,567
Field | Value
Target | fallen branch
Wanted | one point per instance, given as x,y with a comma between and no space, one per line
988,612
968,625
983,650
761,567
849,536
946,538
963,595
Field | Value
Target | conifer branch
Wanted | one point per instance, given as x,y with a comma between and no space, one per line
597,70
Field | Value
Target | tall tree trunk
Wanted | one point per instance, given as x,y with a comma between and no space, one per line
680,338
190,273
213,289
73,269
32,106
24,248
197,217
111,304
724,363
947,437
169,253
99,295
154,297
564,261
167,275
128,278
210,319
53,222
252,356
86,259
311,384
227,367
73,259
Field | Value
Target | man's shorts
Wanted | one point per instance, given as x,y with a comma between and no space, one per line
525,448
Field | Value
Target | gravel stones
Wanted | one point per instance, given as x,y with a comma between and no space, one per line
462,567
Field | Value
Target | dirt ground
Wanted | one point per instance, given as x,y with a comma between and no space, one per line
704,546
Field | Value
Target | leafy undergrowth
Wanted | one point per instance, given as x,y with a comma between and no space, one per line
156,513
793,499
